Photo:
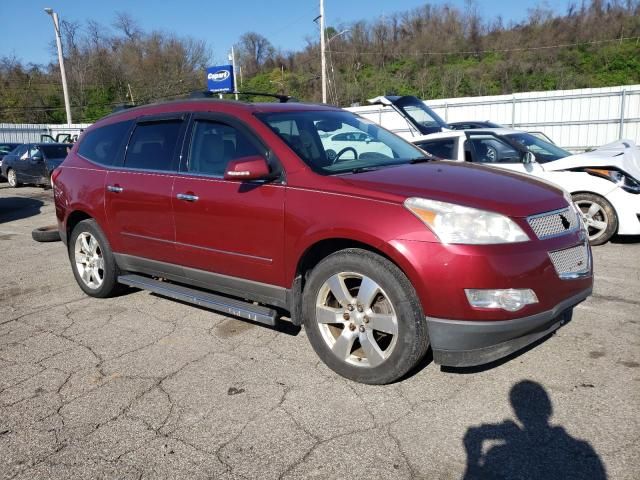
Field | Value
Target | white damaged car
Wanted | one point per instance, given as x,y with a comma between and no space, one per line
604,183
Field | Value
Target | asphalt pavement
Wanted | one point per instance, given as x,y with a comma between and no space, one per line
143,387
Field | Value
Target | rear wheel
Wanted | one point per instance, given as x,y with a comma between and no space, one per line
598,215
92,261
363,318
12,178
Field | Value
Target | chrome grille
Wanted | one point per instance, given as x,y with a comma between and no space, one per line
571,262
555,223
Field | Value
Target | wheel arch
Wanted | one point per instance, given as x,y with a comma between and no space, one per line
322,248
74,218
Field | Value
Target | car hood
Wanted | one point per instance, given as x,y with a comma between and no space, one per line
623,154
508,193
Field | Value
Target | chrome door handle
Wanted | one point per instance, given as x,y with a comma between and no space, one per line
187,197
114,188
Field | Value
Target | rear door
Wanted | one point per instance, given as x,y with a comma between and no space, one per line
228,228
138,193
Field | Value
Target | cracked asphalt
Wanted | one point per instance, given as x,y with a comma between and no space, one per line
143,387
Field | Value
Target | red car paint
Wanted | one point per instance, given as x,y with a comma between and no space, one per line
262,233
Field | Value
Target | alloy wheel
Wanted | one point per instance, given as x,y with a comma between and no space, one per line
12,178
595,218
357,320
89,260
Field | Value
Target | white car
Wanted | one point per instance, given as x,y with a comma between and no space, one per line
604,183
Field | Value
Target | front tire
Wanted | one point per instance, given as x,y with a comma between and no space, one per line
363,318
599,216
12,178
92,261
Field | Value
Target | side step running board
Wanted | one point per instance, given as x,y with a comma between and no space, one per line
218,303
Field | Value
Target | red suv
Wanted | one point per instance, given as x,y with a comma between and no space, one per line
379,251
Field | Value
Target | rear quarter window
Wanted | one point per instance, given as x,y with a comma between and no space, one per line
102,144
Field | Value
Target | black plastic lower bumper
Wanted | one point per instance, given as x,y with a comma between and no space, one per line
461,343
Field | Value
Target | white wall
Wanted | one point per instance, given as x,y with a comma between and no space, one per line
31,132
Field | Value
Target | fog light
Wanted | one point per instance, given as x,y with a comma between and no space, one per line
510,299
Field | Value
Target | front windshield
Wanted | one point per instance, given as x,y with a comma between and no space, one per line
543,150
333,142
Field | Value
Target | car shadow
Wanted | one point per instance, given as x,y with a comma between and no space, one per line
428,358
625,239
17,208
529,447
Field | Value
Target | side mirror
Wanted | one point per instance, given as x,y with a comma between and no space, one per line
254,167
528,157
38,157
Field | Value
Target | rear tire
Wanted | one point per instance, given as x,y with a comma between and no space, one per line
363,317
92,261
599,216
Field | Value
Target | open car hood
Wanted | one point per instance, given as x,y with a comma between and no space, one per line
622,154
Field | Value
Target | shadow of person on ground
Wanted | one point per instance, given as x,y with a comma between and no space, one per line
16,208
532,448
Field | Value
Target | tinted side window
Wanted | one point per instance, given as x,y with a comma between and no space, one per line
101,145
214,145
152,145
491,149
440,148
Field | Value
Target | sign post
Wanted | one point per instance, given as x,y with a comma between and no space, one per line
220,79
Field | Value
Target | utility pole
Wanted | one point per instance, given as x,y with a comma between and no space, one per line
56,27
233,66
323,61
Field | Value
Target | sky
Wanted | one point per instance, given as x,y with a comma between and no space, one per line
27,31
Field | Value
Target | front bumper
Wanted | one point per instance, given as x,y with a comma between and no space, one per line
460,343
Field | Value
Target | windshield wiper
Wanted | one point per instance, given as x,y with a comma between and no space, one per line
422,160
363,169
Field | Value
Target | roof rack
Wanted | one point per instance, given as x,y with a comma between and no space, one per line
281,98
122,106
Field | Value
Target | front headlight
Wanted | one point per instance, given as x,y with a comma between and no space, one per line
464,225
624,181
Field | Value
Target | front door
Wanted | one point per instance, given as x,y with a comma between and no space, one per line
227,228
138,194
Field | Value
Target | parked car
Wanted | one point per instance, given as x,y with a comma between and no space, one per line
33,163
487,124
604,183
5,149
379,255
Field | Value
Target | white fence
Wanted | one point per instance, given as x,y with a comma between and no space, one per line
574,119
33,132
